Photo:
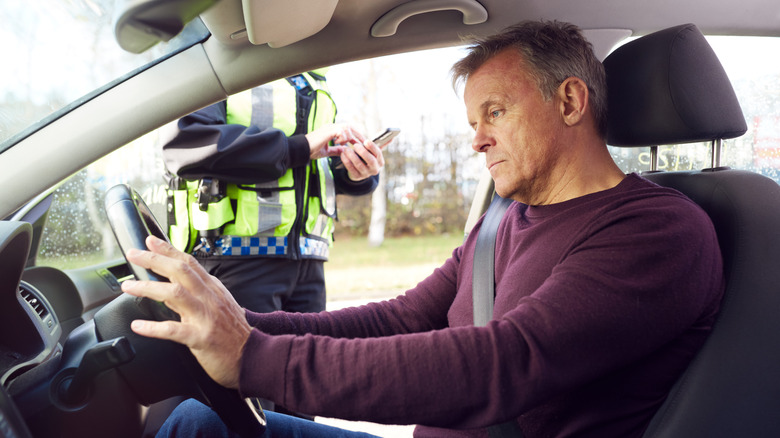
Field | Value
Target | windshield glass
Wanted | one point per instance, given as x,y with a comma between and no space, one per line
55,52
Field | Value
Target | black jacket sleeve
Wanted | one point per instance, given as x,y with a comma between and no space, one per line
345,186
206,146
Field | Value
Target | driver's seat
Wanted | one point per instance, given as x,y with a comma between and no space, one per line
670,88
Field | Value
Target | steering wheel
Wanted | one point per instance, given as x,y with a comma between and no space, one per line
157,370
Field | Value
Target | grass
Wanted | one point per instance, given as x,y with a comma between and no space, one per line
358,271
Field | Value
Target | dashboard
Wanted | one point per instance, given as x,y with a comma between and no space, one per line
28,327
46,331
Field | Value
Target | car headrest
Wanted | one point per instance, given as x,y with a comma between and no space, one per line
669,87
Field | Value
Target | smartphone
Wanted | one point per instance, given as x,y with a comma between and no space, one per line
386,137
380,140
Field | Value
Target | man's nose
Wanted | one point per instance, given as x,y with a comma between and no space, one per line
482,140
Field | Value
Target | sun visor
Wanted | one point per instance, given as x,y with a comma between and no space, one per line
279,23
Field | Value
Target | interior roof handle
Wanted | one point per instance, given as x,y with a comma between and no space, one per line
387,24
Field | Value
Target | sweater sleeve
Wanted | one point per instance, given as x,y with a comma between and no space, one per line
206,146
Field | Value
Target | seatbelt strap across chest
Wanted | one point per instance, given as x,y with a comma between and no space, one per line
484,285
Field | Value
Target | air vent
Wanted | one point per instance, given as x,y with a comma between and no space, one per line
35,303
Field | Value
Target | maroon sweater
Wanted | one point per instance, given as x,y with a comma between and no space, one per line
601,302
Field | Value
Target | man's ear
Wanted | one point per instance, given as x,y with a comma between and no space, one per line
573,94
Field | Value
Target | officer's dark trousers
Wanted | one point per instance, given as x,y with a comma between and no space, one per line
265,284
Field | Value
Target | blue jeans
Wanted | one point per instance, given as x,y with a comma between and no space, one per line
196,420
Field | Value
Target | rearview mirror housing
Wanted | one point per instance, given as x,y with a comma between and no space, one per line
140,24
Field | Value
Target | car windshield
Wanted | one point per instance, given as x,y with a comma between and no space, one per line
56,53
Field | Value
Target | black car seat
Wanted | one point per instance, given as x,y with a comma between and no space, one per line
670,88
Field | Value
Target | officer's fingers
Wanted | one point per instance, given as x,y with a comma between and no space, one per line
376,152
357,134
380,158
356,168
334,151
348,134
319,139
372,162
361,158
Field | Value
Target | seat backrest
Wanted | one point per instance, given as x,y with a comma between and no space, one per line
669,88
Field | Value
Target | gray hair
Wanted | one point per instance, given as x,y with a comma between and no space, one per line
553,51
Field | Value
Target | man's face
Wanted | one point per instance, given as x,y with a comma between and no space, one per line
518,130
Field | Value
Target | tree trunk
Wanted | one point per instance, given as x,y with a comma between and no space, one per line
376,228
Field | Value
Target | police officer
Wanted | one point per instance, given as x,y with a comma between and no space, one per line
252,189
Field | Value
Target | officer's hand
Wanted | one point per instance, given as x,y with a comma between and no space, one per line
213,325
340,134
363,160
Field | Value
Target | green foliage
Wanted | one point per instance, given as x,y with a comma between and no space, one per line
69,230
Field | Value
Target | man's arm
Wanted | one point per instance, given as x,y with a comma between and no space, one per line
421,309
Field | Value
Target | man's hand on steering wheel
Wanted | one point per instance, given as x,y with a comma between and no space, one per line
212,325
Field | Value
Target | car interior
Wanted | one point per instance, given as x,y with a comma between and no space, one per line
71,366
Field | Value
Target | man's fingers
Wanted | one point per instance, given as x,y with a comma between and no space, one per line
165,260
169,294
149,289
169,330
160,246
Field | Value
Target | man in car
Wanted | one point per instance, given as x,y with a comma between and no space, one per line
606,285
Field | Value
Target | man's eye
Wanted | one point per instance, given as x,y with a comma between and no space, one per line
495,113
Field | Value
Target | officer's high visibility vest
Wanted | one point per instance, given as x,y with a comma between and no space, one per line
290,217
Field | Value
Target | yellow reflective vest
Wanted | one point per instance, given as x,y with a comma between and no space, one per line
292,216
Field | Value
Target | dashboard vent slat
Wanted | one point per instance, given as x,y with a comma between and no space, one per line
35,303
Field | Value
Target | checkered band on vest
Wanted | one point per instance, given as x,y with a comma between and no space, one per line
235,245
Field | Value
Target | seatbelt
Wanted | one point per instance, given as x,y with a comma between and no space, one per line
483,281
484,285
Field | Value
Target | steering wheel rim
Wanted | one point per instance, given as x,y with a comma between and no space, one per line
132,221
